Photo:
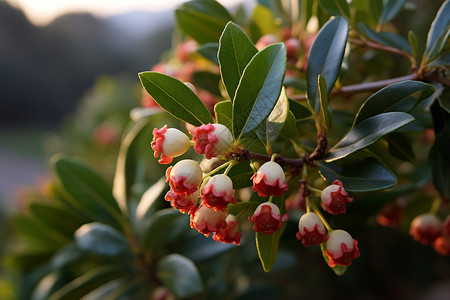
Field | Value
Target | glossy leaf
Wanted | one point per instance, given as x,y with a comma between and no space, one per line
209,51
368,132
400,97
323,100
235,52
223,111
386,38
270,129
289,130
153,228
391,8
101,239
179,275
295,82
325,57
267,246
439,31
86,190
338,270
336,7
207,81
202,20
259,89
176,98
299,110
372,177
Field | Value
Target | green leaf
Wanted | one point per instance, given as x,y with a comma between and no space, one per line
245,208
38,233
400,97
299,110
323,100
240,175
289,130
235,52
264,20
88,282
149,202
400,146
153,228
372,177
386,38
203,20
439,32
412,39
325,57
179,275
207,81
442,61
101,239
209,51
267,246
368,132
391,8
336,7
258,89
338,270
176,98
270,129
223,111
295,82
86,190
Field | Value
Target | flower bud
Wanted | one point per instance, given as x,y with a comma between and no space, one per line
185,176
207,220
335,198
182,202
341,248
218,192
269,180
170,142
229,234
311,230
442,245
212,140
425,228
267,218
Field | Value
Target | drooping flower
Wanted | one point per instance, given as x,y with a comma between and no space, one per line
170,142
426,228
185,176
335,198
270,180
230,233
218,192
212,140
207,220
182,202
267,218
341,248
311,230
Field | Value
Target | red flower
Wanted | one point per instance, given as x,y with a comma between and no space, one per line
311,230
442,245
212,140
185,176
267,218
207,220
269,180
335,198
218,192
182,202
341,248
229,234
170,143
425,228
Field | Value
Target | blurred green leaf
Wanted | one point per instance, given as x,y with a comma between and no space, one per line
235,52
336,7
176,98
367,132
397,97
259,89
373,176
412,40
391,8
439,32
325,57
400,146
386,38
295,82
153,228
179,275
442,61
38,233
102,239
264,20
203,20
207,81
223,111
209,51
338,270
149,203
87,190
267,246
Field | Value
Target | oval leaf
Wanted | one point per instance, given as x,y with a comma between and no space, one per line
368,132
372,177
147,204
258,89
391,8
401,97
267,246
325,56
176,98
154,227
101,239
439,31
235,52
209,51
179,275
223,111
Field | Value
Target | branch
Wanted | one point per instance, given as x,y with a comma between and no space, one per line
378,46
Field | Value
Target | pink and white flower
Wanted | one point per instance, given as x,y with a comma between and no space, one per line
335,198
311,230
267,218
341,248
269,180
218,192
426,228
170,142
229,234
185,176
207,220
212,140
182,202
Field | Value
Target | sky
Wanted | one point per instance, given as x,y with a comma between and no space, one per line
41,12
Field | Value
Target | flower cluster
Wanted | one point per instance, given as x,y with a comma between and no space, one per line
430,229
